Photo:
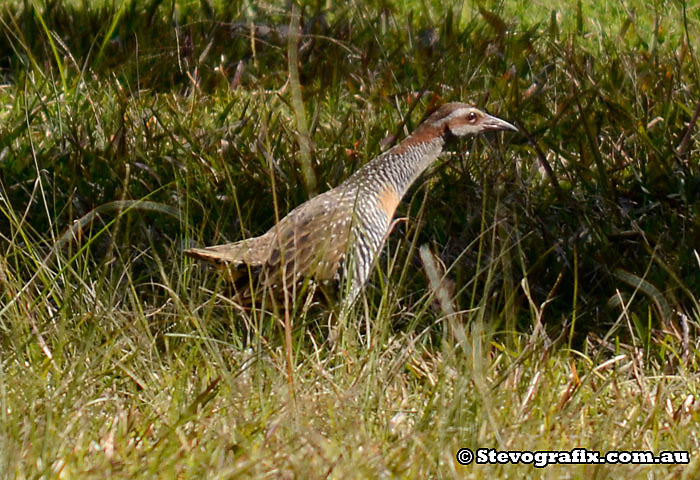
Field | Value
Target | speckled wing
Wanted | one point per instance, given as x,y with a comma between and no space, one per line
311,241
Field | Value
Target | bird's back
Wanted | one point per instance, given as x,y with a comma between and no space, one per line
309,243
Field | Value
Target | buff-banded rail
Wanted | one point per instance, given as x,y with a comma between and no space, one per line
334,238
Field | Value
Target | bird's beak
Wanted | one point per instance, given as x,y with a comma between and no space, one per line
494,123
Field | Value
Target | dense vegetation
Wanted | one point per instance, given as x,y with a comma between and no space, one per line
131,130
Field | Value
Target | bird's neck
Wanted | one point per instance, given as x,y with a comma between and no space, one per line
400,166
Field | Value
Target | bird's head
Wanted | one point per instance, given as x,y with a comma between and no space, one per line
460,120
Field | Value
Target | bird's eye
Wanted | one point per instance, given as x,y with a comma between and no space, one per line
471,117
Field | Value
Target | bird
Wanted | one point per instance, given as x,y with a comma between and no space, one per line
334,238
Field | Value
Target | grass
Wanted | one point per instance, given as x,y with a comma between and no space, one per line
568,313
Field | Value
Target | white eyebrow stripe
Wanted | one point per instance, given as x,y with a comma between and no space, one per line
457,113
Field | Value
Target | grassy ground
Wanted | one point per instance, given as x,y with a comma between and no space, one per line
131,131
